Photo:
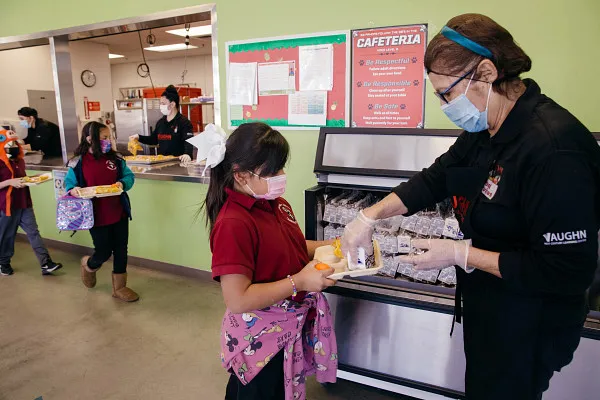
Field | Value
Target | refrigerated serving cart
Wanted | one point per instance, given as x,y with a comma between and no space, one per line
394,333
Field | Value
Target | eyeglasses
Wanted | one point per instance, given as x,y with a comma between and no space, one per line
442,95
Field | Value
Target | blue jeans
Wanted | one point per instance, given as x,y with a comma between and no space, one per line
24,218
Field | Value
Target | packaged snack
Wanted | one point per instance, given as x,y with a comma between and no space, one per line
448,276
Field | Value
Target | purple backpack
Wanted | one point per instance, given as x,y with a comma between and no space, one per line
74,214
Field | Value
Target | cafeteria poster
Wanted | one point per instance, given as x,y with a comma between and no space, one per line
388,88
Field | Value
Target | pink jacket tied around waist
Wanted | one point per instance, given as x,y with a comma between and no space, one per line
304,331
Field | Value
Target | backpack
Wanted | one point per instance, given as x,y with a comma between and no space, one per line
74,214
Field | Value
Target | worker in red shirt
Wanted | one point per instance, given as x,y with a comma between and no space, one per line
262,261
16,208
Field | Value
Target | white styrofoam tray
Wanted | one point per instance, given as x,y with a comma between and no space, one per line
361,272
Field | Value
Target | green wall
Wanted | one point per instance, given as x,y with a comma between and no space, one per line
561,38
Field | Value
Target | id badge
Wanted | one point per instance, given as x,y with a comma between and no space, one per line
491,186
489,189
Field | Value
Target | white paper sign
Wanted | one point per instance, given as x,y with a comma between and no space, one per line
307,108
316,67
60,188
276,78
242,84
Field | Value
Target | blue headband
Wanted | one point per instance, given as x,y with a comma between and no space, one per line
467,43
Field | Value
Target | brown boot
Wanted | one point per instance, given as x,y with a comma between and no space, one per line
120,289
88,276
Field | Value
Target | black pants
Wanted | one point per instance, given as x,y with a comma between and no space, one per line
512,351
267,385
110,240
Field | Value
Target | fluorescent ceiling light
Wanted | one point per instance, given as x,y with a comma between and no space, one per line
115,56
170,47
204,30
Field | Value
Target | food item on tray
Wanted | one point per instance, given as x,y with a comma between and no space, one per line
36,179
106,189
149,158
134,146
322,266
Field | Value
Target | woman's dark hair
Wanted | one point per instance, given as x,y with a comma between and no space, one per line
28,112
92,130
171,94
445,57
254,147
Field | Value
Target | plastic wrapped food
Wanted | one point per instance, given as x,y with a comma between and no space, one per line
448,276
404,244
430,276
387,242
406,269
409,224
422,226
390,266
452,229
436,229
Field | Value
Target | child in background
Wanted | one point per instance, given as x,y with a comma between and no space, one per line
274,334
96,163
16,208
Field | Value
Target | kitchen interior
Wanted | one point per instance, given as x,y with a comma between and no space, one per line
117,80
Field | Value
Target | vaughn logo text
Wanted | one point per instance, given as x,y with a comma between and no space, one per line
553,239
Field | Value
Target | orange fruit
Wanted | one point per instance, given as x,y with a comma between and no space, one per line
322,266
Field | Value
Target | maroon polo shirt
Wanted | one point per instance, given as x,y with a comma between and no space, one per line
107,210
20,198
257,238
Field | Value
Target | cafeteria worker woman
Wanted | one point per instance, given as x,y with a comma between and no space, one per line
171,131
524,176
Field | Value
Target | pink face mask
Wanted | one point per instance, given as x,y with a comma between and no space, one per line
275,187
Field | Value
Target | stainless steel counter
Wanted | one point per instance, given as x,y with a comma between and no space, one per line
162,172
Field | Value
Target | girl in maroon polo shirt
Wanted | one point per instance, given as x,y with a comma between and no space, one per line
95,164
16,207
260,255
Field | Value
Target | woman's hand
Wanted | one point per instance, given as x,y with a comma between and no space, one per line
119,185
441,253
134,137
358,233
16,183
75,192
311,279
185,159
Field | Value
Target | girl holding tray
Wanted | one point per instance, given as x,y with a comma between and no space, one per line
274,333
96,163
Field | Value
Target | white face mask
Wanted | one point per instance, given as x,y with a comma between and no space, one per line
164,109
275,187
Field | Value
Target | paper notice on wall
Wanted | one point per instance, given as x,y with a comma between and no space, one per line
316,67
307,108
276,78
60,187
242,84
236,113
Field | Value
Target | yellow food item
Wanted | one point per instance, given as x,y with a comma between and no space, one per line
337,248
134,146
36,179
114,188
149,158
322,266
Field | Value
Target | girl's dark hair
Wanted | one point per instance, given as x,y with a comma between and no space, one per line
445,57
28,112
254,147
92,130
171,94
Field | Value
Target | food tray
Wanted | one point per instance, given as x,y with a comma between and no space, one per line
90,192
48,179
166,159
361,272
